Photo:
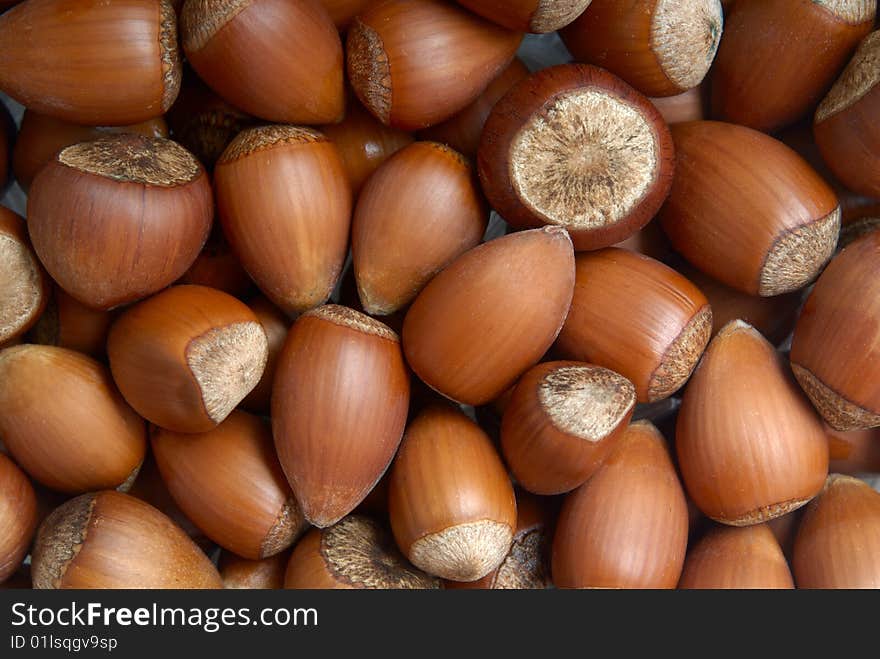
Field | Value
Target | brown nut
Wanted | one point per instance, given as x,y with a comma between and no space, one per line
112,540
339,406
638,317
120,218
451,503
418,212
107,64
229,483
660,47
778,57
750,447
394,46
736,558
185,358
561,422
512,292
838,542
65,423
26,286
245,50
845,125
18,517
832,352
747,210
285,206
627,526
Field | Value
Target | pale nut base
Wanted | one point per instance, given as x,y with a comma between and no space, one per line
59,540
682,356
523,568
227,363
172,68
838,412
851,11
369,69
200,20
552,15
22,291
587,402
287,527
764,513
685,35
134,159
465,552
355,552
125,485
860,76
585,161
798,255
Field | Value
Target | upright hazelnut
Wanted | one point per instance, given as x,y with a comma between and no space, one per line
838,541
736,558
339,406
750,447
627,526
120,218
451,503
285,205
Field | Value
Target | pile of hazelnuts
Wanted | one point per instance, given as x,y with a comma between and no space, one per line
255,333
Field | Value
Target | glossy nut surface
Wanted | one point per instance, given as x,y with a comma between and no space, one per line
112,540
339,406
120,218
185,358
114,63
512,292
